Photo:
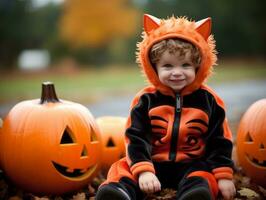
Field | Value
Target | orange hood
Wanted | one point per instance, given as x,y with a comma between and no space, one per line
198,33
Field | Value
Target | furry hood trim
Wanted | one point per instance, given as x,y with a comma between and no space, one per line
198,33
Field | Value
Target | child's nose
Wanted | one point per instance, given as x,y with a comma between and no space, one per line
176,72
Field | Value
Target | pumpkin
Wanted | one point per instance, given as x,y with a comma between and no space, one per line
112,129
251,142
50,146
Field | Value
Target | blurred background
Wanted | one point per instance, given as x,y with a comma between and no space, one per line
87,48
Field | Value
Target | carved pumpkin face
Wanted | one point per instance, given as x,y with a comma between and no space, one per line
112,133
55,141
72,159
251,142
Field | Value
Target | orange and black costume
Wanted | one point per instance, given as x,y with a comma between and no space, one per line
183,138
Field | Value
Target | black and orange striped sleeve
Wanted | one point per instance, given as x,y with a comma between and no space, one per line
138,137
219,143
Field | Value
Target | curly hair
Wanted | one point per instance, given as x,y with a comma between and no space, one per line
175,46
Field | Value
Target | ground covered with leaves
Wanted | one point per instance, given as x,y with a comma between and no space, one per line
246,190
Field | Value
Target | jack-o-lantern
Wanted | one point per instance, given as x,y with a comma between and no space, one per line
251,142
50,146
112,131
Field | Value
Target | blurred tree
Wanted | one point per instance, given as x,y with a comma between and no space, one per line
95,23
14,26
238,26
44,30
105,31
25,27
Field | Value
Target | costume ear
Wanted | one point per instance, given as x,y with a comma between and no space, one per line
150,23
204,27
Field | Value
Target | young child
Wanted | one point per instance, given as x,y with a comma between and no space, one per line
177,135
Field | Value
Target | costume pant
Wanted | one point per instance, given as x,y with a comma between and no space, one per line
181,176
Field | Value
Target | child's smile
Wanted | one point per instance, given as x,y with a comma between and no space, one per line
174,71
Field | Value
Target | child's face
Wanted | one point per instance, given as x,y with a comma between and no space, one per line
175,72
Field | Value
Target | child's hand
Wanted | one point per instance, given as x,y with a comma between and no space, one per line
149,183
227,188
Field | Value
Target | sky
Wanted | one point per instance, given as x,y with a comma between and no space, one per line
40,3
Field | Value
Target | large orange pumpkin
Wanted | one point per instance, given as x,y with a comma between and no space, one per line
251,142
112,130
50,146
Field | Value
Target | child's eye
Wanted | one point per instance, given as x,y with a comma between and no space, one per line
167,65
186,65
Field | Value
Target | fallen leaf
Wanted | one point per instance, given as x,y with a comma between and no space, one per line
245,181
246,192
40,198
165,194
263,191
15,198
58,198
79,196
91,190
3,189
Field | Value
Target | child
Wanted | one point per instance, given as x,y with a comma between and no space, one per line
177,134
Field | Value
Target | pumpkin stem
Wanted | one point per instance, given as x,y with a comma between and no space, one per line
48,93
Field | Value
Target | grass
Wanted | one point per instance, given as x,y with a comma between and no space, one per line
238,71
80,86
85,86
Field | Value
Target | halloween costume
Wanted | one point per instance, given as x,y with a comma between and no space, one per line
183,138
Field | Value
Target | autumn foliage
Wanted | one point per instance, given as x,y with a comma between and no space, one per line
94,23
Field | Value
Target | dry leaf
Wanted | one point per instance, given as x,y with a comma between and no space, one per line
40,198
3,185
91,190
58,198
15,198
245,181
246,192
263,191
165,194
79,196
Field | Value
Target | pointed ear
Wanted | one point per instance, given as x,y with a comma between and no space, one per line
150,23
204,27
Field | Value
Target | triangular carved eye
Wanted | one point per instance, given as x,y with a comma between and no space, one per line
68,137
84,151
262,146
110,143
248,138
93,136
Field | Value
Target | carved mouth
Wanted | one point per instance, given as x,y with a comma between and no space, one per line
76,173
256,161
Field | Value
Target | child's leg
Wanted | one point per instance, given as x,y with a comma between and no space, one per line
112,191
198,185
209,178
120,184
